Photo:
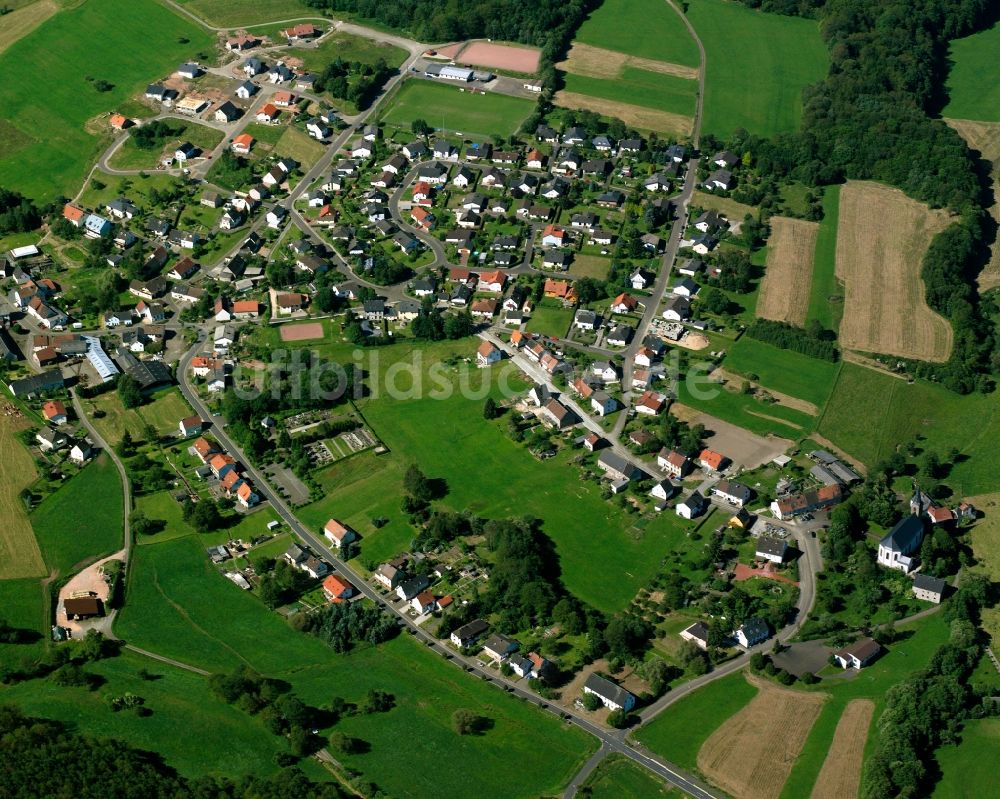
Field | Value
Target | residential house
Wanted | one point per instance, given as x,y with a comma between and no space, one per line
697,634
673,462
466,635
584,319
336,589
553,236
612,696
603,403
338,534
650,403
558,415
54,412
389,576
623,304
732,492
615,467
620,335
770,549
799,504
534,666
752,631
409,588
488,354
676,308
692,506
711,460
423,603
51,440
720,179
499,647
929,589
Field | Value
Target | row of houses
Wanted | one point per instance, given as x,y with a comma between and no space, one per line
226,470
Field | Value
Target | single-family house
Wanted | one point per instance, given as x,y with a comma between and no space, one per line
466,635
697,634
673,462
691,506
752,631
732,492
771,549
338,534
612,696
857,655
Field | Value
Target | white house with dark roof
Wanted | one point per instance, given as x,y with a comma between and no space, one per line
612,696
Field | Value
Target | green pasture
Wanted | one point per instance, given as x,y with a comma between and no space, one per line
644,28
445,107
970,95
826,294
640,87
809,379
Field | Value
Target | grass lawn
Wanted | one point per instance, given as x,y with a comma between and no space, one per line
645,28
228,743
617,777
758,84
870,413
445,107
640,87
68,536
969,96
128,156
22,602
69,47
298,145
678,732
782,370
178,604
163,507
826,294
163,409
107,187
350,48
967,769
550,320
595,266
266,134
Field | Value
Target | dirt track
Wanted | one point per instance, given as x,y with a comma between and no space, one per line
784,291
500,56
596,62
751,755
302,332
882,236
840,776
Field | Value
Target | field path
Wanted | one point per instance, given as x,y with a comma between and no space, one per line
840,776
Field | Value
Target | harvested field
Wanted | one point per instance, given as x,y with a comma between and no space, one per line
632,115
596,62
784,291
304,332
751,755
509,57
882,236
984,138
24,20
841,773
20,555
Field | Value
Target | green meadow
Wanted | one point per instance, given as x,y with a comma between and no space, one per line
74,49
644,28
967,769
128,156
82,521
782,370
444,107
179,605
970,94
870,413
757,65
826,294
617,777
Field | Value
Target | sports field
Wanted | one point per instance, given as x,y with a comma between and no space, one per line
826,295
82,521
751,754
969,95
302,332
882,236
20,555
784,290
445,107
840,776
642,87
68,48
179,605
645,28
509,57
984,138
757,65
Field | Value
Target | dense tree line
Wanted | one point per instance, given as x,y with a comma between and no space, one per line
343,625
789,337
153,134
46,758
17,213
354,81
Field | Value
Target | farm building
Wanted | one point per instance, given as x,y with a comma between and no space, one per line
857,655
